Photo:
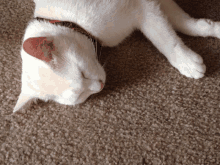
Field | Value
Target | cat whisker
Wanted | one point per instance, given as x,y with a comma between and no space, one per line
98,53
104,64
96,46
106,61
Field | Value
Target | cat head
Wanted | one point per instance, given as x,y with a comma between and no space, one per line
62,67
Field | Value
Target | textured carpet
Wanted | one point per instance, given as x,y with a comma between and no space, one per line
147,113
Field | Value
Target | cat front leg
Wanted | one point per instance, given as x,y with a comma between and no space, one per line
156,27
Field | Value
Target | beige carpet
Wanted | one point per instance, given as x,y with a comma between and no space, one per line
147,113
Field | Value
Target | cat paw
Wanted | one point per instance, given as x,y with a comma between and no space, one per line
189,64
217,30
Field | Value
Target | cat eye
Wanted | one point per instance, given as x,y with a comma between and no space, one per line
83,75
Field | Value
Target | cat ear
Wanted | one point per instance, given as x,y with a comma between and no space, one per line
39,47
23,100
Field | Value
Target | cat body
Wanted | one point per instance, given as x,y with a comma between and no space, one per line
70,71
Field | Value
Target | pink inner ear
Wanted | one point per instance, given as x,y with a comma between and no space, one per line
53,21
39,47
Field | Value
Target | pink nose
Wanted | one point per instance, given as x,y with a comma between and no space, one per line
102,85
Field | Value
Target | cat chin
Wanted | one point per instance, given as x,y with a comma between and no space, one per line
65,102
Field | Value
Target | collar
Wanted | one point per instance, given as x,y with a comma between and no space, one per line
74,26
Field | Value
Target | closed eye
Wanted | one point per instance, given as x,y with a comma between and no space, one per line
83,75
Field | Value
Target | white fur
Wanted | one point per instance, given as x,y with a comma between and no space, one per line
111,22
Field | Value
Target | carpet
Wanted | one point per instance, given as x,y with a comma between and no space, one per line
147,114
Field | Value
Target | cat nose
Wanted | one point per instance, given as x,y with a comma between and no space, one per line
102,84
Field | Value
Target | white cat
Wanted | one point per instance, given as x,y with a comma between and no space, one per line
61,64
